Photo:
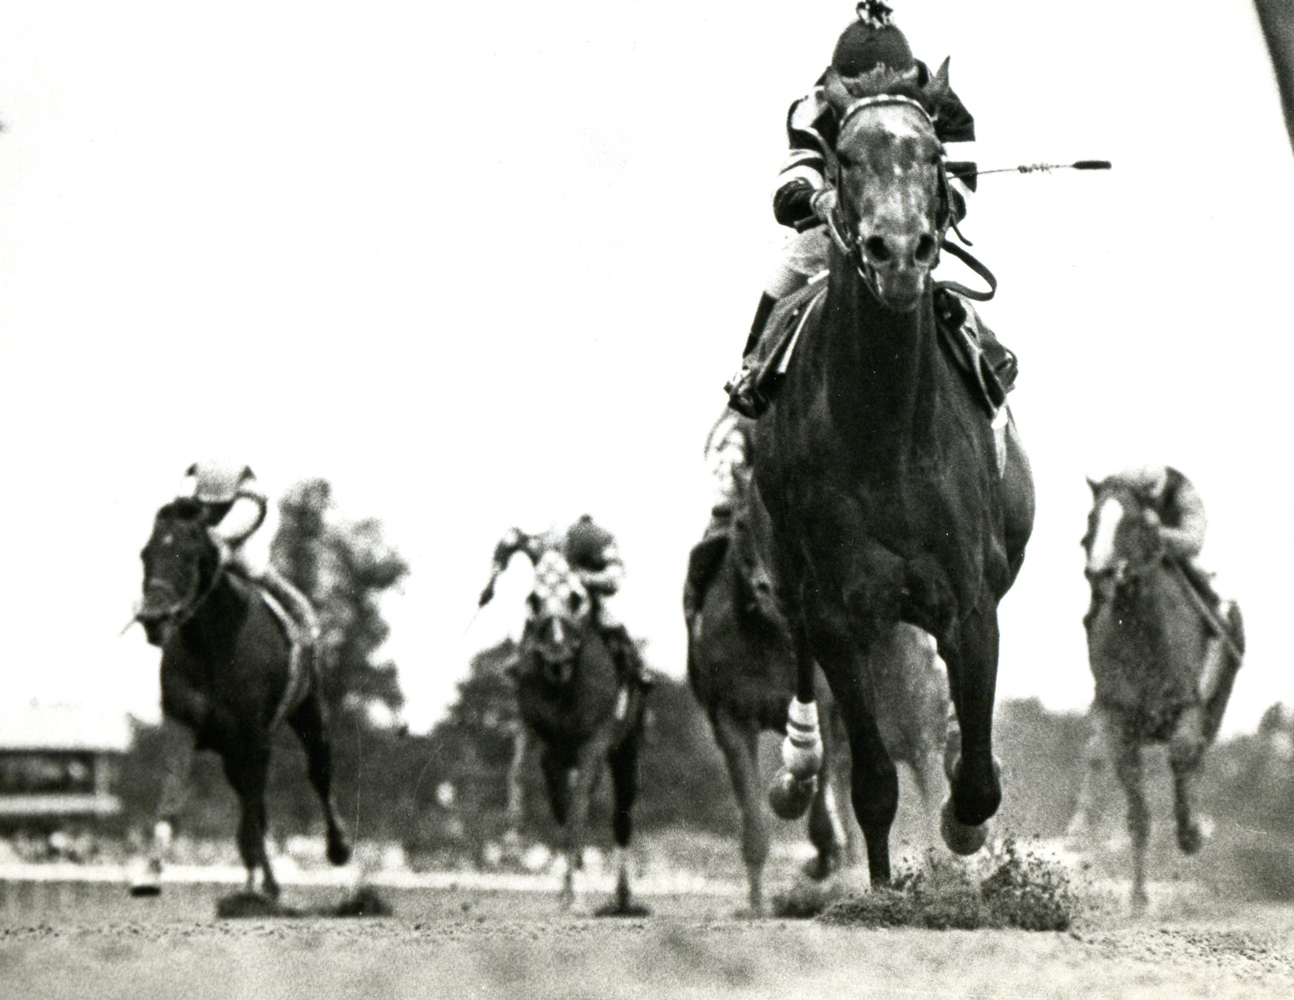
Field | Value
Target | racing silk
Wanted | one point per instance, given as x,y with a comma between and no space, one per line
235,508
1175,501
592,552
811,129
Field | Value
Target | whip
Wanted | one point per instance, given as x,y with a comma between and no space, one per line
1030,168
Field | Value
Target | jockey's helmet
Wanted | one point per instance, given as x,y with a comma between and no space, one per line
870,42
217,482
587,543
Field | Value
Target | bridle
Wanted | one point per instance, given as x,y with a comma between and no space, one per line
181,611
847,241
1125,570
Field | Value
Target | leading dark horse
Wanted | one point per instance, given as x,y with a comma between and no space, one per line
229,676
891,497
573,699
741,666
1163,662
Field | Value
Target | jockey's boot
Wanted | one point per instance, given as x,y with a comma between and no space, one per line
745,389
703,562
624,654
956,313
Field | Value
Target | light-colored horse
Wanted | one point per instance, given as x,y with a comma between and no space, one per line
1163,661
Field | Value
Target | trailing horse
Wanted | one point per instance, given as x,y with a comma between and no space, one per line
229,675
582,711
892,497
1163,662
741,666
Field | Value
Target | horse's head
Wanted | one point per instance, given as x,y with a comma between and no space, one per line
1123,539
180,563
560,616
892,205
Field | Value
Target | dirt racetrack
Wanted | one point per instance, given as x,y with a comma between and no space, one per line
92,941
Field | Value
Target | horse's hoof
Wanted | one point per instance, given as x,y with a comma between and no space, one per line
144,890
1140,902
821,866
338,852
1190,839
790,797
622,908
960,838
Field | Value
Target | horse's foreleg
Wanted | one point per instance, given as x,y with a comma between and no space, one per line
1095,753
1127,765
797,782
1185,753
624,779
247,776
575,830
740,746
177,766
972,679
309,725
516,802
874,778
826,829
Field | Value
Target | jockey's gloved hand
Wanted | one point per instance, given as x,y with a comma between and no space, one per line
823,203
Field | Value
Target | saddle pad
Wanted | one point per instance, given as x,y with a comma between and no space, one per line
300,658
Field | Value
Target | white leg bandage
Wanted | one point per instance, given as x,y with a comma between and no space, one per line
802,749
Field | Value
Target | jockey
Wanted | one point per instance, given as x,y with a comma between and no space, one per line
1173,504
727,453
591,552
222,489
804,198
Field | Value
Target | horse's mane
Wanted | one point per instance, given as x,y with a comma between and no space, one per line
181,509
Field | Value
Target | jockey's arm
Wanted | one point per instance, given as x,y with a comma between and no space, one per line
247,511
1186,536
803,174
605,581
513,541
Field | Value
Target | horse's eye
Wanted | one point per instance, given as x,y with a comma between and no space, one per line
533,600
574,601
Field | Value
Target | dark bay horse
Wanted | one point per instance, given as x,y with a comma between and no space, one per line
228,675
1163,663
891,497
581,711
741,666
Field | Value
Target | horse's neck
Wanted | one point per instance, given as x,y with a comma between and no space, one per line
224,607
881,369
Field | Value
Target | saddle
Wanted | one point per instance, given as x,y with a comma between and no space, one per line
989,376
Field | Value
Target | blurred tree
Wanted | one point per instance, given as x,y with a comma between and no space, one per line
343,567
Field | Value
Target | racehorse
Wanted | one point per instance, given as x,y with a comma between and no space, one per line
1164,664
229,675
891,496
741,666
581,711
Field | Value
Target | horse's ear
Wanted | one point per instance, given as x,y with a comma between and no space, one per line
1092,485
835,91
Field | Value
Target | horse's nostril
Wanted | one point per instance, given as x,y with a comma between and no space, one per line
926,248
877,249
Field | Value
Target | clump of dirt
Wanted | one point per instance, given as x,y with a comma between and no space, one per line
805,900
1011,886
365,901
245,905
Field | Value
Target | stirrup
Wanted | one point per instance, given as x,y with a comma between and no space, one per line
744,396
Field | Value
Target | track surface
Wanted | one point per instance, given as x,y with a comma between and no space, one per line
92,941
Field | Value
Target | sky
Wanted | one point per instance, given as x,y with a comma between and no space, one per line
492,266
